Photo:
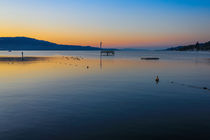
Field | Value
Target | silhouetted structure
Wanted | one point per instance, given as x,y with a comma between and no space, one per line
106,52
101,44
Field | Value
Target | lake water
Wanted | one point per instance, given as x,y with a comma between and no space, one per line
105,98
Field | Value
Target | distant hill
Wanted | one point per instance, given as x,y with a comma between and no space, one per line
195,47
25,43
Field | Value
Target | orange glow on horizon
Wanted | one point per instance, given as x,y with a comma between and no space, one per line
110,39
121,24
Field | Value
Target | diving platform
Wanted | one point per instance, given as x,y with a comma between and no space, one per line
107,53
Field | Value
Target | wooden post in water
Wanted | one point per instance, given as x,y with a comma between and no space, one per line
101,45
22,56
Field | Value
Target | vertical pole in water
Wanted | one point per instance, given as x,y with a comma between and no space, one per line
22,56
101,44
101,47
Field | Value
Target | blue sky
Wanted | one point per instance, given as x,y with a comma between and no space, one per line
119,23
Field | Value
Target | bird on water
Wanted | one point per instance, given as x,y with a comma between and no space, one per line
157,79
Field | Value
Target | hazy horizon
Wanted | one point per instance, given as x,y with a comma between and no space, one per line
119,23
114,47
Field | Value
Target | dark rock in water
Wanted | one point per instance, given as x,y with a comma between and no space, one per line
150,58
205,88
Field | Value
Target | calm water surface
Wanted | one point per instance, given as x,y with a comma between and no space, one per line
105,98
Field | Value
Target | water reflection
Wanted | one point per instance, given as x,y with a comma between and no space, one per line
71,97
68,65
101,62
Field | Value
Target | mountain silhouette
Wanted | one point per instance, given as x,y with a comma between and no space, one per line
25,43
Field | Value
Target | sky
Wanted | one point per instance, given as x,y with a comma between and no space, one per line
118,23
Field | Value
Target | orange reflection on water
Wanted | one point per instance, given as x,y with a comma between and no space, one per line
37,67
13,68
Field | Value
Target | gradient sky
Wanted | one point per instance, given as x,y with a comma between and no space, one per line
118,23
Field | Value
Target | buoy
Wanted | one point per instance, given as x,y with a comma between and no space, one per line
157,79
